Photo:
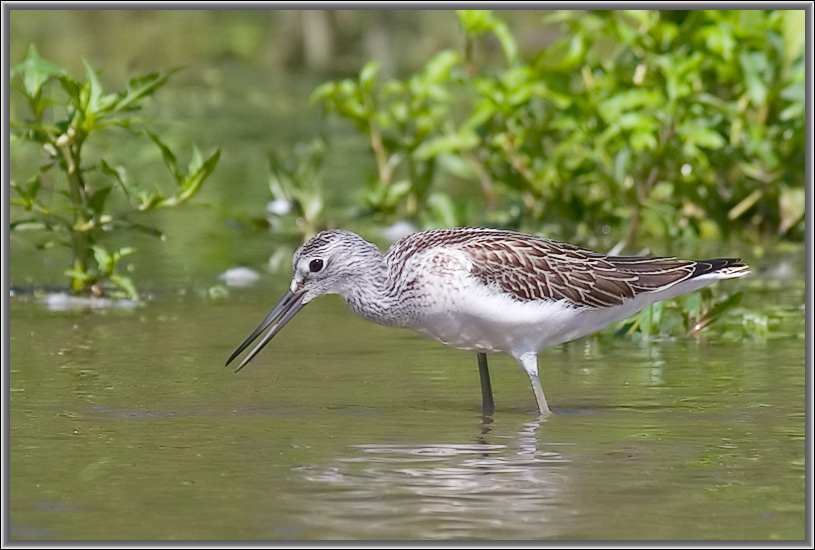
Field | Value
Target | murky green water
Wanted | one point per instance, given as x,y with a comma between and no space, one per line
126,425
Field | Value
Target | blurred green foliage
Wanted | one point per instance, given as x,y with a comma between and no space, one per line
296,185
77,207
645,123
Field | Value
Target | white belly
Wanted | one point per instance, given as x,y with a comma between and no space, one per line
489,322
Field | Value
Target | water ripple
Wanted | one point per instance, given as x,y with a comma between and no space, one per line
442,491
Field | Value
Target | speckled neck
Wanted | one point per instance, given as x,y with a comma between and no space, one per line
372,294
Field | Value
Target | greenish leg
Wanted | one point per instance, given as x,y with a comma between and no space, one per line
487,403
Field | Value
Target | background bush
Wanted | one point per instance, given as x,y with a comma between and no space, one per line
663,124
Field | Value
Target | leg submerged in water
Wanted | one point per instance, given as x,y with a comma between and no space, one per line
487,403
529,362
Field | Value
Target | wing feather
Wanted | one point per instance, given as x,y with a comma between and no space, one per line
534,268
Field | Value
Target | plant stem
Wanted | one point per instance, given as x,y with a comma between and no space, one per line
81,240
641,192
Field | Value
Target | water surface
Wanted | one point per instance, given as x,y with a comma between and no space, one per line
124,424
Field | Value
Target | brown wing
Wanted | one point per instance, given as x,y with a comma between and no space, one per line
533,268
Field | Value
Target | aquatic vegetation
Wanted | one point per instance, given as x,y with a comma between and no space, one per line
91,200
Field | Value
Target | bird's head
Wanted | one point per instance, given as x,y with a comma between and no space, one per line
328,263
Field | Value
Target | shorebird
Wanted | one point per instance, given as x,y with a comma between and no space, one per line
484,290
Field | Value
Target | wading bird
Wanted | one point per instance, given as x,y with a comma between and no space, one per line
484,290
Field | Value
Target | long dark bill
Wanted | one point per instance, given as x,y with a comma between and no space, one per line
282,313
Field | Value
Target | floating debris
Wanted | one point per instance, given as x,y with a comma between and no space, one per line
62,301
239,276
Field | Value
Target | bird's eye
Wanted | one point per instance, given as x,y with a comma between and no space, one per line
315,265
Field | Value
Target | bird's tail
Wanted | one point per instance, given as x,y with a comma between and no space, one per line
722,268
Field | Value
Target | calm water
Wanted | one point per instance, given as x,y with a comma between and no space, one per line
125,425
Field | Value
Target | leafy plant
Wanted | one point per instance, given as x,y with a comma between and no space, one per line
689,314
670,124
680,116
77,209
401,119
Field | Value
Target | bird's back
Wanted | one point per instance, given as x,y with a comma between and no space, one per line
531,268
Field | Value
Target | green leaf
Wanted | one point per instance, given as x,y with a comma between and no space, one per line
643,141
36,72
507,41
29,192
72,88
123,282
636,120
139,88
720,40
199,172
794,31
367,76
650,317
725,107
322,92
448,143
118,174
103,259
635,99
696,133
195,161
437,70
96,202
796,91
93,104
474,21
168,156
26,224
125,251
127,224
622,166
478,22
753,65
78,276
